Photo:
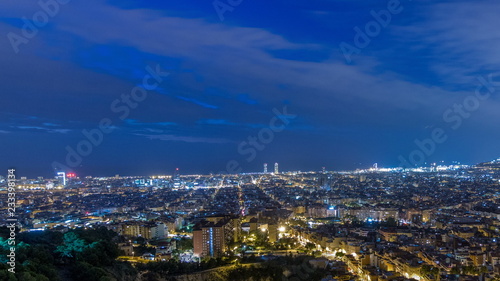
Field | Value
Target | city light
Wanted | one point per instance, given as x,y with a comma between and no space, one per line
245,140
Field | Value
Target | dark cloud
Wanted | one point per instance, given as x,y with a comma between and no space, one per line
227,77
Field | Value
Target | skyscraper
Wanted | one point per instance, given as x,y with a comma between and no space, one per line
276,171
61,177
176,178
265,168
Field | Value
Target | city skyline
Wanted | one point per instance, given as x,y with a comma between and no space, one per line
239,140
177,172
438,223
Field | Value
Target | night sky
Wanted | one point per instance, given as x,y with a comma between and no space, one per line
132,88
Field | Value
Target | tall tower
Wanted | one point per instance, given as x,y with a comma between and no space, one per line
265,168
276,171
61,176
176,178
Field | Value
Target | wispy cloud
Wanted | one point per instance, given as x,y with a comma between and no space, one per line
134,122
217,122
197,102
24,122
167,137
50,124
45,129
223,122
461,36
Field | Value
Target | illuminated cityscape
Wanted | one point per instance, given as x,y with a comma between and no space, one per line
425,223
238,140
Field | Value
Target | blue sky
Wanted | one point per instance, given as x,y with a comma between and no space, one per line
226,77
